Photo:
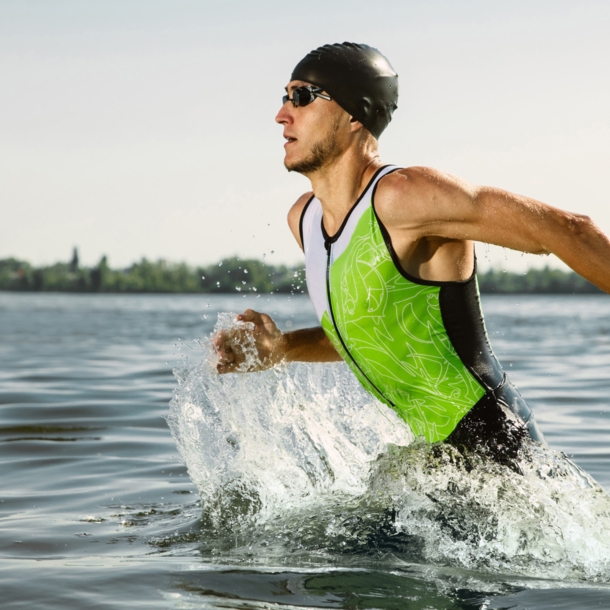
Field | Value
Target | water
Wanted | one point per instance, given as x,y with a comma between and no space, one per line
301,491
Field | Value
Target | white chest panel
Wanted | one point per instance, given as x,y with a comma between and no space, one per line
316,255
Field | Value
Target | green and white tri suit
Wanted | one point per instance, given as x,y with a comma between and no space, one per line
419,346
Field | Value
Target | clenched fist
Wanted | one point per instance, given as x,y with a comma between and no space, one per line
251,347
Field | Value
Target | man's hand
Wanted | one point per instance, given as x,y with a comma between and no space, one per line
235,345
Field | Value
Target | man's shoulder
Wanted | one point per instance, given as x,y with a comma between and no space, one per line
301,202
297,207
415,196
409,186
295,213
412,180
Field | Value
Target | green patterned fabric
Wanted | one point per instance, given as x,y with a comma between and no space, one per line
393,328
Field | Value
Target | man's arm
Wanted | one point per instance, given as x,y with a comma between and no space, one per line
421,203
309,345
273,346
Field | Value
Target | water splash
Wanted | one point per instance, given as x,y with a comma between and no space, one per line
299,461
549,522
260,444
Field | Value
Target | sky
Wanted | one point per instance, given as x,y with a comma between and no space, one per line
145,128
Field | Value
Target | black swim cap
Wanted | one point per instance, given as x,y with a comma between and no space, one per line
358,77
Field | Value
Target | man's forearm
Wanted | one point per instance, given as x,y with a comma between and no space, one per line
542,229
308,345
587,252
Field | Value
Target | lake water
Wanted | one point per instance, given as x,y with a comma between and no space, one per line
300,490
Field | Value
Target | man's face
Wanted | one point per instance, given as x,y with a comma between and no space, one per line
313,133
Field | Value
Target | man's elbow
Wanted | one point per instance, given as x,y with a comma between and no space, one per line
579,226
569,228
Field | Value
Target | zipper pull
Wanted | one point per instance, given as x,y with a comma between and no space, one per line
327,245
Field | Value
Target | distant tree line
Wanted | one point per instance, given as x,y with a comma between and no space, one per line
232,275
535,281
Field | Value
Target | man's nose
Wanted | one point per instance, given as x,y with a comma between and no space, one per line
284,115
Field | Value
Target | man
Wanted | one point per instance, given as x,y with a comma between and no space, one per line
390,261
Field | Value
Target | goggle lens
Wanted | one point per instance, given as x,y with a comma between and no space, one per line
302,96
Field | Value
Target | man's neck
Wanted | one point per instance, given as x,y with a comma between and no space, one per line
339,185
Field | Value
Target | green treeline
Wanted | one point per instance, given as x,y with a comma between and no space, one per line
233,275
535,281
230,275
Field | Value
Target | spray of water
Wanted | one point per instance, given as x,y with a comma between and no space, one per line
300,460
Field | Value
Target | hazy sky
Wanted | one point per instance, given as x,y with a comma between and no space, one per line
146,127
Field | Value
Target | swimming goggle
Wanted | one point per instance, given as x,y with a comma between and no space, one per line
301,96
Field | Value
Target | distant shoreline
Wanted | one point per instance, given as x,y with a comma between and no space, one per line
232,276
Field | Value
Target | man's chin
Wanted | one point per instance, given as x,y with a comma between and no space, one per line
303,166
293,166
291,161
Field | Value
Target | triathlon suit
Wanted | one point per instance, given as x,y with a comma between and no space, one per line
419,346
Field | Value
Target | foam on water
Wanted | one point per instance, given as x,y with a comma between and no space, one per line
300,460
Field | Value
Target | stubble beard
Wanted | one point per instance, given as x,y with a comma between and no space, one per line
321,154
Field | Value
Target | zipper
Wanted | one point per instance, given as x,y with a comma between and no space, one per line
328,247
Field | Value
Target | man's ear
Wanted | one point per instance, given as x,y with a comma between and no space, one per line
355,124
364,107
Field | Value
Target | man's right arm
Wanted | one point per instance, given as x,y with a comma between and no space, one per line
274,346
309,345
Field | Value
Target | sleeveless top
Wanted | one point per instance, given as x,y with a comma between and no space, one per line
419,346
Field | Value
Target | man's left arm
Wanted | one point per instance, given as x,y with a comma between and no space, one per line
441,205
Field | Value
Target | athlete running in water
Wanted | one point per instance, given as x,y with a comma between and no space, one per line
390,261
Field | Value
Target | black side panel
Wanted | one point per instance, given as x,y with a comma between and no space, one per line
500,421
463,319
489,428
497,425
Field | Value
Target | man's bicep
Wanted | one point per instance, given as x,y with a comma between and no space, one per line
423,202
451,208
